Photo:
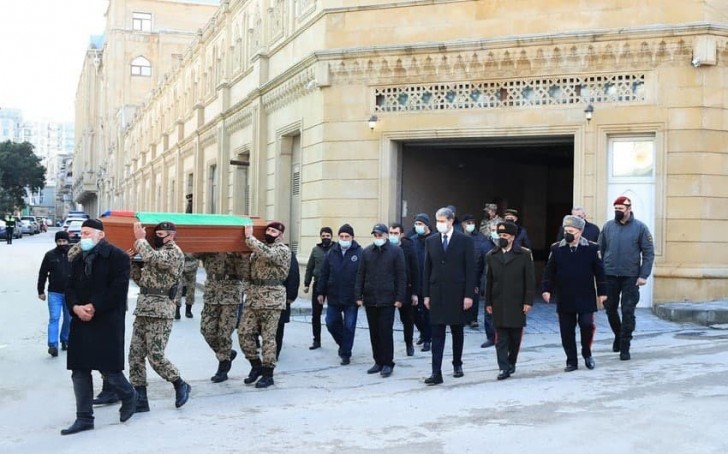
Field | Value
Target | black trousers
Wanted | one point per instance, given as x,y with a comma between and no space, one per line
438,346
422,321
279,338
567,327
83,389
630,296
407,317
316,311
381,320
507,345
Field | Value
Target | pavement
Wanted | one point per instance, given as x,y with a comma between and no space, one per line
670,398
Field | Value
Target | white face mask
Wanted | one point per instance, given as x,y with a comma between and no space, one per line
469,228
494,236
394,239
442,227
86,244
379,242
420,229
345,244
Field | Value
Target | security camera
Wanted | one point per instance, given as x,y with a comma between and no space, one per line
695,62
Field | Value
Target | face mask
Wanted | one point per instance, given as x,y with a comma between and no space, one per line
494,236
158,242
569,237
379,242
618,215
345,244
270,239
442,227
86,244
326,242
420,229
394,239
469,228
502,243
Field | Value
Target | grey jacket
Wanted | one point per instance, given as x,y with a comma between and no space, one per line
627,249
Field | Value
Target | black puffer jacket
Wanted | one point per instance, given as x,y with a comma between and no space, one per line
381,279
56,268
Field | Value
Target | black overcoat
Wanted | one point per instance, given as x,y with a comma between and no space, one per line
449,277
509,284
573,276
99,343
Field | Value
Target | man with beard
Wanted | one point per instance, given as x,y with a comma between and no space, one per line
313,271
56,269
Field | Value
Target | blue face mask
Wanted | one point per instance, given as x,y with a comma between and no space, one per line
379,242
86,244
345,244
494,236
420,229
394,239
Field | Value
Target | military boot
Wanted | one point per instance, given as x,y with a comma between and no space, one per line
177,315
267,378
255,372
142,402
188,311
181,392
223,368
107,395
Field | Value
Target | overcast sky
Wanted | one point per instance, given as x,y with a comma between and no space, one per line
42,46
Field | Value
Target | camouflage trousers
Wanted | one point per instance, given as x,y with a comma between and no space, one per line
263,322
189,279
148,341
217,324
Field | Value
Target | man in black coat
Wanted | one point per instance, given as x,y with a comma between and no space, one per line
412,269
56,269
509,287
421,313
292,282
448,288
573,269
381,286
96,297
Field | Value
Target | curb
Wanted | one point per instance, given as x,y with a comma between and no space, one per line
706,314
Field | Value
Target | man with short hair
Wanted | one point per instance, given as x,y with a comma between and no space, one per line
591,231
158,276
628,252
422,314
313,271
448,288
509,287
412,274
490,218
96,295
56,269
573,270
336,287
522,239
380,287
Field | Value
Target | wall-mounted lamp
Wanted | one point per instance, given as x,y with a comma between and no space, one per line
696,62
589,112
373,122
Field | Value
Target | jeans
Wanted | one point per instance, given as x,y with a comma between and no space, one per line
341,323
381,320
630,292
438,346
56,305
83,389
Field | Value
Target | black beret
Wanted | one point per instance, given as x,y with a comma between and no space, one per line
166,225
93,223
276,225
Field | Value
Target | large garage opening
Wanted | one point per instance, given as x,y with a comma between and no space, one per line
534,175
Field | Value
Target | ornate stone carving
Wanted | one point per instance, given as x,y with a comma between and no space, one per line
293,88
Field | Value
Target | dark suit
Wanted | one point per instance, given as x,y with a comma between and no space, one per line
448,278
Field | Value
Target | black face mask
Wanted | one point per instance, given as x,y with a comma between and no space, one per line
568,237
502,243
326,242
158,242
270,239
618,215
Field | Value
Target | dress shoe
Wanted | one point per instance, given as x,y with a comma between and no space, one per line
426,346
625,356
188,311
570,368
177,315
375,369
502,375
434,379
512,369
487,344
181,392
457,371
386,371
345,361
64,346
78,426
53,351
106,397
419,341
315,345
615,345
128,406
589,361
410,350
474,324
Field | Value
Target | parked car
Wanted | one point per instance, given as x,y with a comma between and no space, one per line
74,231
68,221
33,222
26,227
17,233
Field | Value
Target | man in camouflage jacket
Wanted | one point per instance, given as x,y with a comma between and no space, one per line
222,298
157,276
265,299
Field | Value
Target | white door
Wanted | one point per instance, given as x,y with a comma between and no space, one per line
632,174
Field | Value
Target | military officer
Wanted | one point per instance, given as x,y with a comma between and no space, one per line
265,299
222,298
187,286
157,276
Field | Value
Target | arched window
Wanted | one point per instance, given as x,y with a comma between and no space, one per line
140,66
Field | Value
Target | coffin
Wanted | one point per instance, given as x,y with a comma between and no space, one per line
195,232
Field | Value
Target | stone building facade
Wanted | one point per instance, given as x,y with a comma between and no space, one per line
320,112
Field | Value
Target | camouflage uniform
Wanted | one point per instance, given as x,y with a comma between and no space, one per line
222,296
265,299
154,310
486,224
188,281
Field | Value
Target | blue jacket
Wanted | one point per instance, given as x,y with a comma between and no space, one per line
338,274
627,249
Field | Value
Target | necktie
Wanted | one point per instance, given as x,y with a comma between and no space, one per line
444,243
573,248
